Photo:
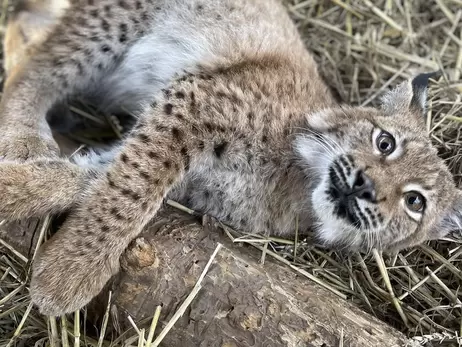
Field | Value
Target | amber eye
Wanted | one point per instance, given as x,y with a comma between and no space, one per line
414,201
385,143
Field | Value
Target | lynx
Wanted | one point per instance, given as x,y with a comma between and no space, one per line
233,120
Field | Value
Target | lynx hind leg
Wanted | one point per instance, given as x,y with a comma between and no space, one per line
28,27
66,63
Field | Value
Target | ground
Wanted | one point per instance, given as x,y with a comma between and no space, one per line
363,47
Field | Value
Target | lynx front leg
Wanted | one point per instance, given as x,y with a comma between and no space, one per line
48,186
77,262
77,51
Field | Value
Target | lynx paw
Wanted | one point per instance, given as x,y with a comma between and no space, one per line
68,273
23,147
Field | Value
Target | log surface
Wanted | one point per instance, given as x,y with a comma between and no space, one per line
241,303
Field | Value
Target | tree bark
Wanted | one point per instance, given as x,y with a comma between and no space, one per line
241,303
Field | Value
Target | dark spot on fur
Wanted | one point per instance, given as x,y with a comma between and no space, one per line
57,62
127,192
177,134
179,116
105,25
201,145
195,129
64,82
138,5
168,108
264,138
152,155
143,137
123,27
124,158
94,13
115,212
110,181
124,5
145,175
219,148
161,128
135,165
167,93
79,66
209,126
186,158
105,48
122,38
102,238
167,164
180,95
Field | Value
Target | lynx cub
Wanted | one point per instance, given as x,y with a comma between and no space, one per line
233,120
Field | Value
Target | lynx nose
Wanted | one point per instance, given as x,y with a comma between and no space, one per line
363,187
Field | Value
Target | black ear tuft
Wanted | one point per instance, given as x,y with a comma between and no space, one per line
419,90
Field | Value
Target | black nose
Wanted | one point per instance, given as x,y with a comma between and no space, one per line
363,187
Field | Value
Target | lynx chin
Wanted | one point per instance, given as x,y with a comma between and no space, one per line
233,120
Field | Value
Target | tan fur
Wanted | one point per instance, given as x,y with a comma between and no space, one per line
243,129
27,29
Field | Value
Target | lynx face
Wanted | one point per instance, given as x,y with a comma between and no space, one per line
379,181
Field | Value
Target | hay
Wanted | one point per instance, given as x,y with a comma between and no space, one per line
362,47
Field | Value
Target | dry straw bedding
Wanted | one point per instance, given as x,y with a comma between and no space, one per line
363,47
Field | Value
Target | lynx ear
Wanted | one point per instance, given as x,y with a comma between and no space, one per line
410,95
451,222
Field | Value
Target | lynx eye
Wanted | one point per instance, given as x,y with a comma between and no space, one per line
385,143
414,201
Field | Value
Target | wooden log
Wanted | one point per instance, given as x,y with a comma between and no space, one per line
241,303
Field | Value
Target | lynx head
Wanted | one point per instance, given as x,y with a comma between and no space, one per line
378,181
